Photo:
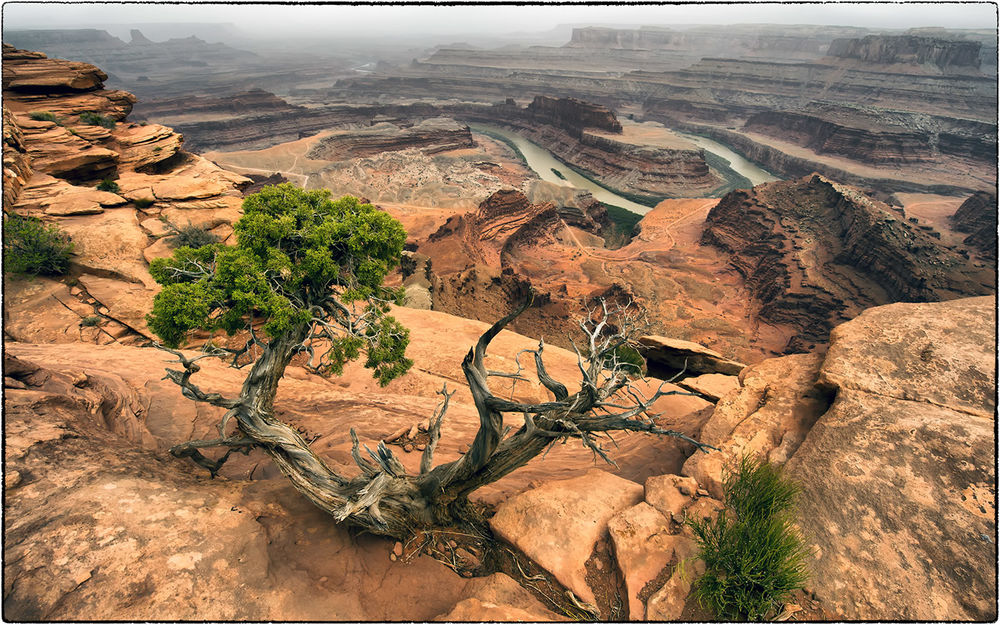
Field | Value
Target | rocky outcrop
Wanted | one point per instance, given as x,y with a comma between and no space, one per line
768,416
977,216
573,115
55,158
254,101
667,356
910,49
430,136
825,137
898,476
815,253
557,524
16,162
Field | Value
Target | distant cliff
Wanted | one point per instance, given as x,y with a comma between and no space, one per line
911,49
574,115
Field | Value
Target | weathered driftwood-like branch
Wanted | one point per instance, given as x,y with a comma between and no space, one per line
386,499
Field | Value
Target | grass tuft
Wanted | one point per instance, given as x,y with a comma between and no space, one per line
109,185
43,116
754,557
96,119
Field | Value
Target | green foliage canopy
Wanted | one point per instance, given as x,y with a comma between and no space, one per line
303,263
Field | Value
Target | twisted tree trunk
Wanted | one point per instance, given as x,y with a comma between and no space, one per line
384,499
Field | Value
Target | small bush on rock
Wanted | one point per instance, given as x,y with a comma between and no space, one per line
30,247
91,321
754,557
193,236
143,202
109,185
43,116
95,119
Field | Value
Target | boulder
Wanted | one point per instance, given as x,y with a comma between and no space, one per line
670,493
110,244
768,416
898,476
642,540
188,188
146,145
667,603
558,523
498,597
675,355
714,386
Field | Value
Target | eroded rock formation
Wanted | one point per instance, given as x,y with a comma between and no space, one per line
64,134
815,253
430,136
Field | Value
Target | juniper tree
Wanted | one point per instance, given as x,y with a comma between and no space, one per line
305,277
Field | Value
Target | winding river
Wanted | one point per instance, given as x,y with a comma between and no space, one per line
544,164
737,163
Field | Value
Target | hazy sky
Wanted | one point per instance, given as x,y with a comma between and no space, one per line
457,20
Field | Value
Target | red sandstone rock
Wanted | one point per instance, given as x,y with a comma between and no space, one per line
768,417
558,523
897,476
643,547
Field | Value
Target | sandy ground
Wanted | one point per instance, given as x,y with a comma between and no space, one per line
933,210
651,134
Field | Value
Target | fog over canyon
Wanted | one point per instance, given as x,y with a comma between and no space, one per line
799,201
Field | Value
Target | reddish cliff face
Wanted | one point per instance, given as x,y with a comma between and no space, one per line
814,253
574,115
910,49
977,216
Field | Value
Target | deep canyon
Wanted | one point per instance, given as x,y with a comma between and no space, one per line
805,215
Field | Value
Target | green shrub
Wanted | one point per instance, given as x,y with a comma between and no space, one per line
193,237
628,358
90,321
109,185
95,119
754,557
143,202
43,116
30,247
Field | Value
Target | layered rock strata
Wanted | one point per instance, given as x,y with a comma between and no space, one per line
54,160
814,253
430,136
910,49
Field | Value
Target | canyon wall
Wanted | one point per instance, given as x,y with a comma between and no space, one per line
977,216
573,115
910,49
815,253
